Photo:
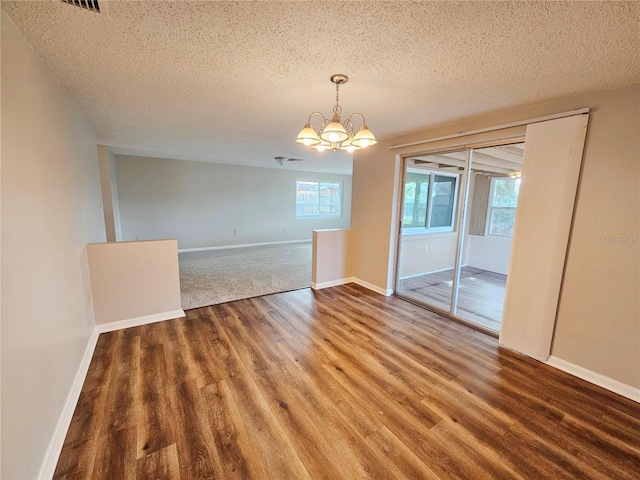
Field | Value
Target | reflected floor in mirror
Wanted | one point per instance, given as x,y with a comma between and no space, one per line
480,294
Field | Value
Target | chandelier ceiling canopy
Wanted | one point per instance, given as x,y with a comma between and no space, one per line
334,133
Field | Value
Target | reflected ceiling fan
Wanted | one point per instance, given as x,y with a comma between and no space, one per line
281,160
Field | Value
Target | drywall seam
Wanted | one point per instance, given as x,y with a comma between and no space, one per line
59,434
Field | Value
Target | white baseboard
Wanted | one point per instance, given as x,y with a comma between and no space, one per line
595,378
373,287
243,245
343,281
134,322
426,273
54,449
332,283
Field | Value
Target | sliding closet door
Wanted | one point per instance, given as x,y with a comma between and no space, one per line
428,240
442,262
493,200
551,168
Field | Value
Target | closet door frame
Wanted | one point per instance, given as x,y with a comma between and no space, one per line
461,218
530,334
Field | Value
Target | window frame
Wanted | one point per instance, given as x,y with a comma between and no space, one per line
416,230
340,184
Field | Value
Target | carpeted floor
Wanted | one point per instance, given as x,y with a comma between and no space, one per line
218,276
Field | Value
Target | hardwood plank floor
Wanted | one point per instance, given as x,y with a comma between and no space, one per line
340,383
480,294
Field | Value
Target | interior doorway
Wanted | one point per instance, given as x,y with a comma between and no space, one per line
458,211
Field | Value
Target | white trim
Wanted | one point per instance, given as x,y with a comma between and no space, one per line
429,273
134,322
223,247
373,287
52,455
332,283
571,113
54,449
610,384
343,281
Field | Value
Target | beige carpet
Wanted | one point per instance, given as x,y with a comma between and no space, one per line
218,276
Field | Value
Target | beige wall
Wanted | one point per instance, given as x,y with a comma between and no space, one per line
599,316
130,280
427,252
201,204
373,211
107,199
489,252
332,257
110,206
50,210
597,326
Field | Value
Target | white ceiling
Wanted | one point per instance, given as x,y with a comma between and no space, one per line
234,82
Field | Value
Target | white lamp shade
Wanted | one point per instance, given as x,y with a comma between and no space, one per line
364,138
348,145
334,133
308,136
322,146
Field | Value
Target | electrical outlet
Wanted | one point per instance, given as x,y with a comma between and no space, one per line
235,232
137,237
426,248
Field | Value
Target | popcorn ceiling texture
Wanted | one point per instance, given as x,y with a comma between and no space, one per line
234,82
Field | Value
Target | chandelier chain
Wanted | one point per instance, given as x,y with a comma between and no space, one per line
337,110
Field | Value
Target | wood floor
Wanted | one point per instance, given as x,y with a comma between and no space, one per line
480,294
341,383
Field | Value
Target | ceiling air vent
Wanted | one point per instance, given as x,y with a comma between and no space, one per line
86,4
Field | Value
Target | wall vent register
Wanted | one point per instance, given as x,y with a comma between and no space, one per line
91,5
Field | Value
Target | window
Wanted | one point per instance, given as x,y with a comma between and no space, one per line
318,199
503,201
415,200
429,201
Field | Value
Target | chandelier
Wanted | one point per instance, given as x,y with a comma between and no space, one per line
334,134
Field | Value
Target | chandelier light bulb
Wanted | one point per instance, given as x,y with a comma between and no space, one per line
321,148
308,136
364,138
334,132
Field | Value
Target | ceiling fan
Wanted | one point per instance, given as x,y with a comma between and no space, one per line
281,160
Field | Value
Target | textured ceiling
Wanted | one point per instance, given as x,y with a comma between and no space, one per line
234,82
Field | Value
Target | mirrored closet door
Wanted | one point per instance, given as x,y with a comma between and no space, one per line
458,212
